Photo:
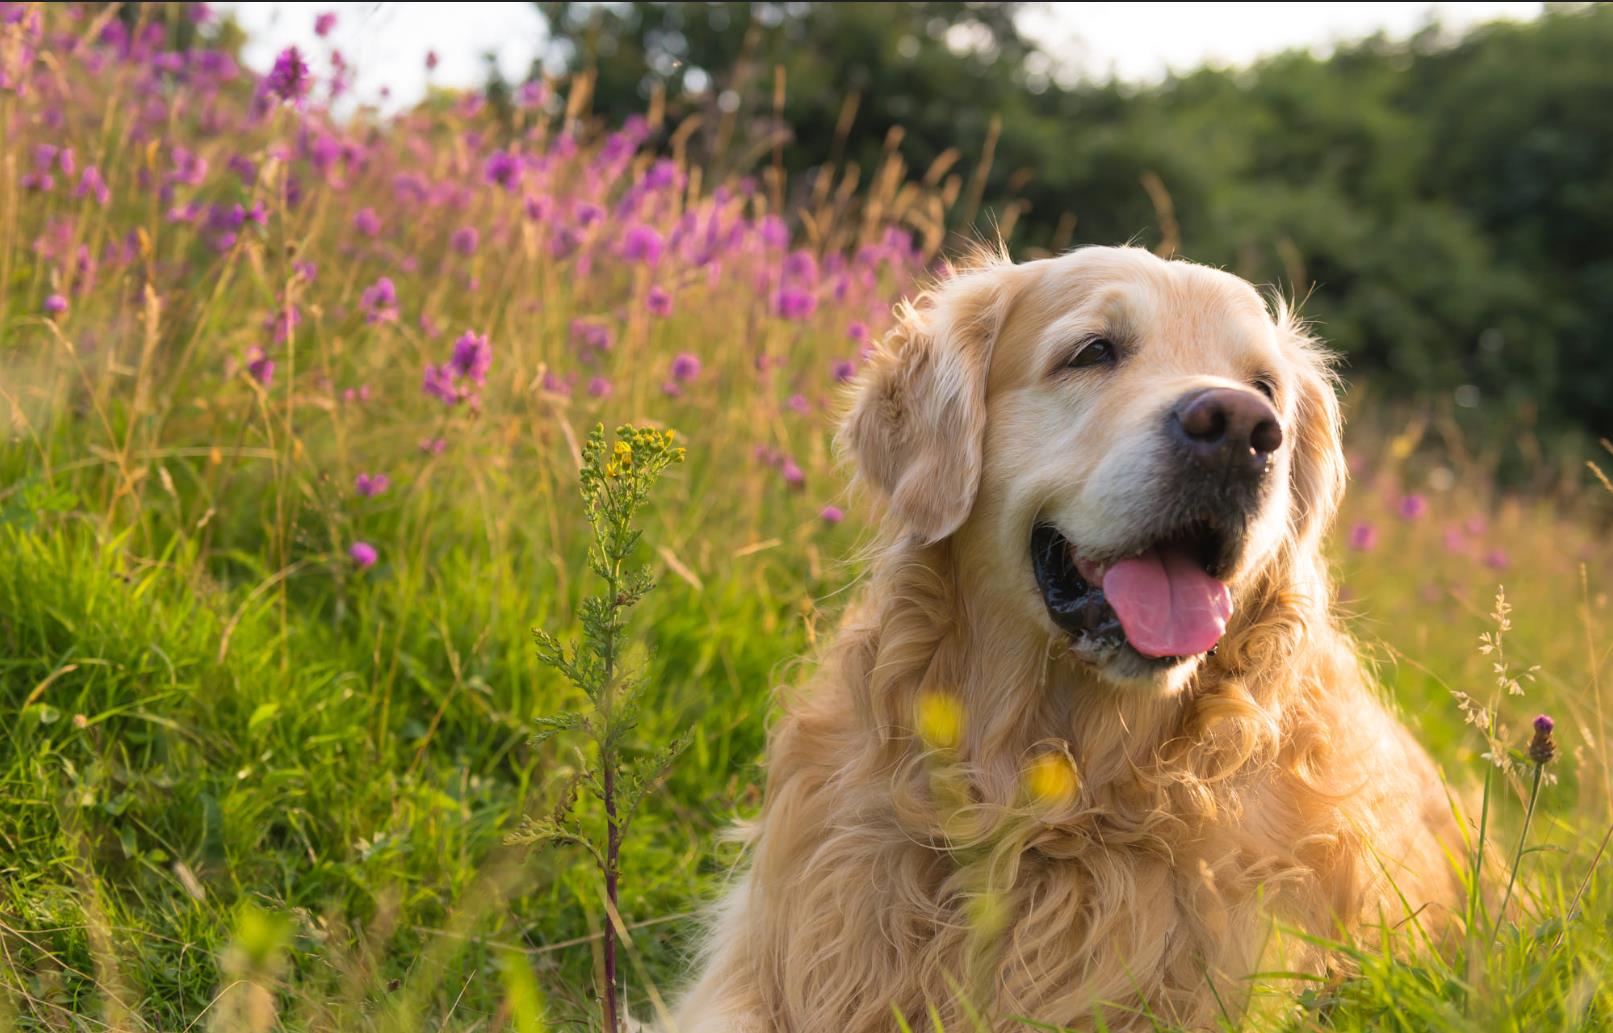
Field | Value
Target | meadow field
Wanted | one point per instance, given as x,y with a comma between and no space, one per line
291,414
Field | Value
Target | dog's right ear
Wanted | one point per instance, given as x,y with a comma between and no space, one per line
917,426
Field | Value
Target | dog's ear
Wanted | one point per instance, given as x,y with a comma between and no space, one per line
917,425
1319,468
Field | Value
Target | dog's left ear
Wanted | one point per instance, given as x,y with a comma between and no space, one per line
917,426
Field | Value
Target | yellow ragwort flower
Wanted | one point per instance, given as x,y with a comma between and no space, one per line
940,719
1052,778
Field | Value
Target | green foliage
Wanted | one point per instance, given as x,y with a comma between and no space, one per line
616,484
1442,203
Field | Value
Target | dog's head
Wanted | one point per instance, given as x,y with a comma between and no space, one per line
1124,450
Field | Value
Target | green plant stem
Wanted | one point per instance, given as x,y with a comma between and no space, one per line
1517,856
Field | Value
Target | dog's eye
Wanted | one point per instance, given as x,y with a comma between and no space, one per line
1265,386
1096,352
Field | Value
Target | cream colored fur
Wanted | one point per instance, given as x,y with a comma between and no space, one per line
890,868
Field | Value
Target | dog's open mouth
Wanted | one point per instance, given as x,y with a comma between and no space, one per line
1163,600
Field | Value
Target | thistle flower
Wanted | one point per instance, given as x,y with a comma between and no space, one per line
1413,506
1541,747
380,301
465,240
659,302
503,169
793,475
642,244
288,79
362,554
473,356
324,23
367,222
438,382
794,303
685,366
832,515
55,304
259,366
599,387
843,371
371,485
799,404
1497,559
1363,537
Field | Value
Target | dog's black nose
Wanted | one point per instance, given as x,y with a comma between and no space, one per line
1227,427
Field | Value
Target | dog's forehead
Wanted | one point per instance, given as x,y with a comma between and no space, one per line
1179,311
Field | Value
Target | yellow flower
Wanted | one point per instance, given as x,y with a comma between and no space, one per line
1052,778
940,719
624,454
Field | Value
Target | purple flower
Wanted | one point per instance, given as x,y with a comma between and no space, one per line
794,303
775,234
1474,525
857,332
1497,559
642,244
798,403
324,23
380,301
371,485
1413,506
685,366
288,79
793,475
362,554
438,383
843,371
55,304
367,222
432,446
1541,747
259,366
599,387
473,356
465,240
1544,725
531,94
591,335
1363,537
832,515
659,302
503,169
672,389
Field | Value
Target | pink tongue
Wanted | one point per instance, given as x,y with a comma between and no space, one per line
1166,602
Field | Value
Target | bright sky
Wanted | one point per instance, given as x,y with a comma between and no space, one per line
387,42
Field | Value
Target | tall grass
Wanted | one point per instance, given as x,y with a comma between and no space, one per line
271,713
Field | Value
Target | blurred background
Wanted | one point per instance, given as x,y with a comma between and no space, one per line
1432,179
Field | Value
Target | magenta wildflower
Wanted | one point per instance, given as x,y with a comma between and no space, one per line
1474,525
659,302
642,244
371,485
1541,747
380,301
362,554
685,366
432,446
798,403
473,356
1363,537
288,79
465,240
1413,506
857,332
55,304
1497,559
832,515
259,366
503,169
793,475
591,335
672,389
599,387
532,94
438,383
843,371
367,222
794,303
324,23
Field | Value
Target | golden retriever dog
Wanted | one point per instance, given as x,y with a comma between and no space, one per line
1089,742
